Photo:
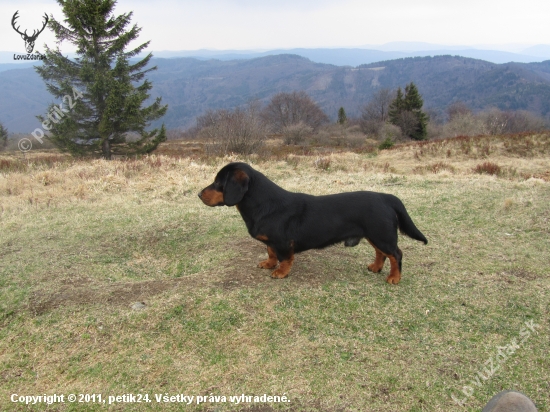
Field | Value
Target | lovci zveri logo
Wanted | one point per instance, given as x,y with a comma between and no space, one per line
29,40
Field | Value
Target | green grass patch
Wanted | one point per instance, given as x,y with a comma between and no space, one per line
332,336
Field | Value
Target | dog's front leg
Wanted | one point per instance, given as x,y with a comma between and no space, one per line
271,260
286,260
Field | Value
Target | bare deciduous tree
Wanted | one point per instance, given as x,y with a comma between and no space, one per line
496,121
378,107
465,124
492,122
458,109
233,131
524,121
376,112
286,109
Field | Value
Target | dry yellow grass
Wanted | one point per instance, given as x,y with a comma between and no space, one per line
69,180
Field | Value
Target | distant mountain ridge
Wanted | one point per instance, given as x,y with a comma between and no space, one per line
357,56
191,86
354,56
370,53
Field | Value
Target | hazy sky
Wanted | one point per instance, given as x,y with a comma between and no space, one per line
255,24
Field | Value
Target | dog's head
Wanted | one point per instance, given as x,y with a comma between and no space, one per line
229,187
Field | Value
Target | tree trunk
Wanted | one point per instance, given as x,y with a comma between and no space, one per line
106,149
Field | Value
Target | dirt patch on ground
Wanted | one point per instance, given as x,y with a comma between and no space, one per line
118,294
242,271
307,270
522,274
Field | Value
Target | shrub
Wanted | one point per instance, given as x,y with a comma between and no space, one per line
434,168
390,131
372,127
463,124
238,131
491,122
336,135
323,163
296,133
488,168
386,144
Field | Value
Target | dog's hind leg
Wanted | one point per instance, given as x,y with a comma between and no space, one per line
378,263
395,267
395,262
379,260
271,260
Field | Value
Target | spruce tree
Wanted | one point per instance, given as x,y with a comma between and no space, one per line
413,101
101,89
342,118
3,137
396,107
406,107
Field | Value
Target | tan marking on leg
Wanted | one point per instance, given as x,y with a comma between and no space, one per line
395,274
284,268
378,263
379,260
263,238
271,261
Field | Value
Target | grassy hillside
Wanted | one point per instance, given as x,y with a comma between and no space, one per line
116,279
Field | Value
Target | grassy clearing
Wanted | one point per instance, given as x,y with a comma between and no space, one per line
83,241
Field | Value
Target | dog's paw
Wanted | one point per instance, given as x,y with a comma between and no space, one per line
279,274
393,279
267,264
373,267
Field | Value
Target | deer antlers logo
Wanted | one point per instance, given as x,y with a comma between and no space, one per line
29,40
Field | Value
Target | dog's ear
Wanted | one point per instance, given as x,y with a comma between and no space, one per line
235,187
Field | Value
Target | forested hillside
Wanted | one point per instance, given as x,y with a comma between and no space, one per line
190,86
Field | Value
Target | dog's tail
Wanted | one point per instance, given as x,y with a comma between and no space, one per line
404,221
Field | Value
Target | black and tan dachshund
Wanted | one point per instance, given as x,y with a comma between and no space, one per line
289,223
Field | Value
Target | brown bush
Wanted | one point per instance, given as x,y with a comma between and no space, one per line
287,109
458,109
296,133
488,168
239,131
